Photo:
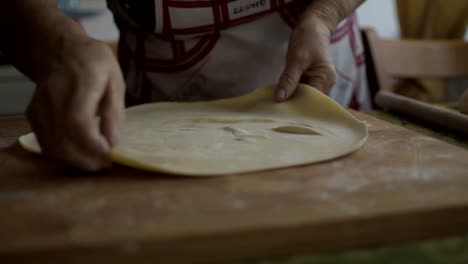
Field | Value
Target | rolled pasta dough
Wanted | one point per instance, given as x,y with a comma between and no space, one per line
237,135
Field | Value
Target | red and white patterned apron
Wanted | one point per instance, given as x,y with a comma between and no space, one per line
189,50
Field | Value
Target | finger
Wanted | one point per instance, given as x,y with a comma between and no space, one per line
38,120
68,153
322,78
81,126
112,109
41,121
54,144
288,81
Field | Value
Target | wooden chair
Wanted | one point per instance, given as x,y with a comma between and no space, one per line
416,58
394,58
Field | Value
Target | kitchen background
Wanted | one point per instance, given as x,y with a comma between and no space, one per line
16,90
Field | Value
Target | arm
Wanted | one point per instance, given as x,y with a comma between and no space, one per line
308,58
36,31
332,12
76,79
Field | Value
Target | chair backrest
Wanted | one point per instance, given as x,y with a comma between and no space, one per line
414,58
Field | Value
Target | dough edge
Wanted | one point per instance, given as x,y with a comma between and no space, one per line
29,142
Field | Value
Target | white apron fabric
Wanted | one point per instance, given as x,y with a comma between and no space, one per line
189,50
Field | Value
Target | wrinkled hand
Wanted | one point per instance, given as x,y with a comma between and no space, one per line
308,59
84,81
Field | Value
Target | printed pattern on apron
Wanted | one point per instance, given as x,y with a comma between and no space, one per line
177,49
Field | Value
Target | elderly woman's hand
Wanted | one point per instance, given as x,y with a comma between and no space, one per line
77,79
85,81
308,59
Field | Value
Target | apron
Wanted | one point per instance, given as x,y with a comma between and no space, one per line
191,50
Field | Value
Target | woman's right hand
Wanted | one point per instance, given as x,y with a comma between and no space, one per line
84,81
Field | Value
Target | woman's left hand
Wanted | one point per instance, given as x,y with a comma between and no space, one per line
308,59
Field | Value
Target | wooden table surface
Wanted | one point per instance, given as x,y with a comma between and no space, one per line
400,186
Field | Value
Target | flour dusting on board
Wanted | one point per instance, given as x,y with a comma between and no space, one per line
158,204
94,205
324,196
347,179
16,195
238,204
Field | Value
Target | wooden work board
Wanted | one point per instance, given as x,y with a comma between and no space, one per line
400,186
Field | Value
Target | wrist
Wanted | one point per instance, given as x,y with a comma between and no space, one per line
37,36
330,12
326,17
56,46
317,24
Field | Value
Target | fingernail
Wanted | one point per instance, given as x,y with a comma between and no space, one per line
105,145
114,138
100,166
280,94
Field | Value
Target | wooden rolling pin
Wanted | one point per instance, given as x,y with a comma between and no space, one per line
463,104
431,114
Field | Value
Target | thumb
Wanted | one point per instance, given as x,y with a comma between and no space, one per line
321,77
288,81
112,109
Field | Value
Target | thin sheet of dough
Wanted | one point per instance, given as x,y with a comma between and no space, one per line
243,134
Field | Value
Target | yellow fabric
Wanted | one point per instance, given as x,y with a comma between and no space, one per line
430,19
433,19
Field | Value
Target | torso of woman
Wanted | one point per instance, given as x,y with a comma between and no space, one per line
191,50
